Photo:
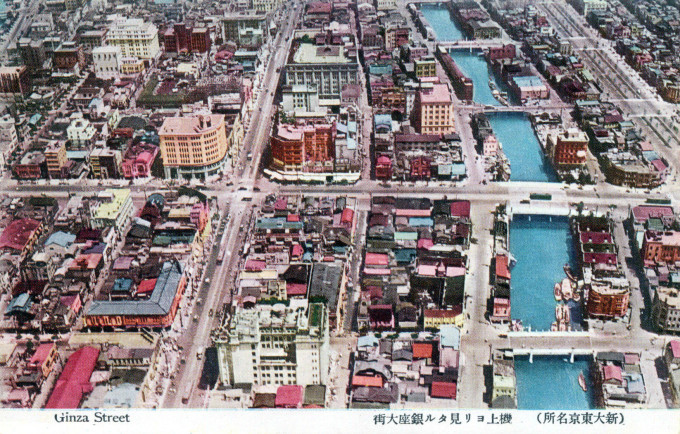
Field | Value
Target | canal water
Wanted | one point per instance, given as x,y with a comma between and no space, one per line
527,161
541,245
475,66
551,383
445,28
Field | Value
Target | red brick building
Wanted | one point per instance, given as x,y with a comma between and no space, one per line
68,56
180,38
605,301
294,147
568,149
661,247
506,51
14,79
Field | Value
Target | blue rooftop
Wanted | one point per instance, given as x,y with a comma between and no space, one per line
420,221
277,223
63,239
20,303
122,284
458,169
526,81
449,336
35,119
383,119
367,341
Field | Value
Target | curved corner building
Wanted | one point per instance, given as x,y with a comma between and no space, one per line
193,146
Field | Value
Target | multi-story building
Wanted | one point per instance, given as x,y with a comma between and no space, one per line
105,163
504,382
246,29
57,162
180,38
107,62
32,53
31,166
135,38
69,57
607,300
303,147
666,309
14,80
275,345
433,110
300,98
396,36
587,6
568,148
193,146
660,247
113,208
330,67
92,39
8,138
426,67
139,160
131,65
81,133
385,5
625,169
265,5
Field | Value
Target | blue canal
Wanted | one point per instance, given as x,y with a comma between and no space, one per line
527,162
551,382
445,28
475,66
541,245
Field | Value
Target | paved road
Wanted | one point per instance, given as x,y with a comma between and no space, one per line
218,286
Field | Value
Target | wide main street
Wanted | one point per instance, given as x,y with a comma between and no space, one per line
239,200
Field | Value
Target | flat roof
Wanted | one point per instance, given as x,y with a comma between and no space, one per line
310,53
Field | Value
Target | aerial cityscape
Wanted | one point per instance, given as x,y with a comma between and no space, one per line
342,204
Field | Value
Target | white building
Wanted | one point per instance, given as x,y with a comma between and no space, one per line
135,38
329,67
300,97
386,5
80,132
276,345
587,6
8,138
107,61
265,5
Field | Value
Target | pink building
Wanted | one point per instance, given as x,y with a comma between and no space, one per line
138,160
491,146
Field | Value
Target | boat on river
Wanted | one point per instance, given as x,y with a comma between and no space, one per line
566,289
569,273
582,381
558,292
